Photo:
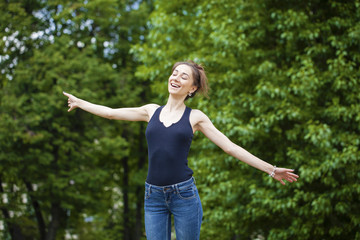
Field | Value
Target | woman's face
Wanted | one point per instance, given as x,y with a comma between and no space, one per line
181,81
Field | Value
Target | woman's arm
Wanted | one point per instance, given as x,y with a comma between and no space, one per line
143,113
202,123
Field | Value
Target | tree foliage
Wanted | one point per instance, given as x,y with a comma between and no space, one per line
69,173
285,85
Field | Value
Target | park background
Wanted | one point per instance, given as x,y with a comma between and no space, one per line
284,78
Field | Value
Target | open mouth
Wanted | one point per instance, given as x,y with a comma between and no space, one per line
174,85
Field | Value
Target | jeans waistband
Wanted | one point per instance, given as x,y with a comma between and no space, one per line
176,186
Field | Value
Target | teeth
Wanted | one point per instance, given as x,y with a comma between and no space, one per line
175,85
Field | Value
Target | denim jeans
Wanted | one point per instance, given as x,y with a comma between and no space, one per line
181,200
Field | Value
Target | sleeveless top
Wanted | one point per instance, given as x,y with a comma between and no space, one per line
168,149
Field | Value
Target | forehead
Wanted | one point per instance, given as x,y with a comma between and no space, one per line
182,68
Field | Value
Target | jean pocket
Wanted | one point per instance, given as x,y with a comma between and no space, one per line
187,193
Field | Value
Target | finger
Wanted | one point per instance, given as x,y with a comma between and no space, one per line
293,175
289,180
294,179
282,182
66,94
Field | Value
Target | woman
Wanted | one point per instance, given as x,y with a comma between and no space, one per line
170,187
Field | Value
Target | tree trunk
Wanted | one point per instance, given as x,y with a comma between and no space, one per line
140,189
55,221
126,231
38,214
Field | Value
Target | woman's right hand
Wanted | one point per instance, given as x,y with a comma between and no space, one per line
72,101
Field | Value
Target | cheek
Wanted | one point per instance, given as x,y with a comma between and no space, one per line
187,83
191,83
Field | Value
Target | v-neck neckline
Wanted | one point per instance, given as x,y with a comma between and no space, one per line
173,122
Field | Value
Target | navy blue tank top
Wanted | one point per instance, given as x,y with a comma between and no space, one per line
168,149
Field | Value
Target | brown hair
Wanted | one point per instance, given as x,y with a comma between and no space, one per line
199,76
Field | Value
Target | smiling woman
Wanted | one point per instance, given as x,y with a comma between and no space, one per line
198,75
170,187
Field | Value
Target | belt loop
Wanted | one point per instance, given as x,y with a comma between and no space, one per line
194,180
176,188
150,188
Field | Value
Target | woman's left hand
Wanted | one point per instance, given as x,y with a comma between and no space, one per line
285,174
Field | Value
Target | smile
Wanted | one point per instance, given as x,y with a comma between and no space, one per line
175,85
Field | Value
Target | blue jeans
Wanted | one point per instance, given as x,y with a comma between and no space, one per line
181,200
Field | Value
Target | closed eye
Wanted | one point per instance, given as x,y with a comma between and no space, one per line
184,76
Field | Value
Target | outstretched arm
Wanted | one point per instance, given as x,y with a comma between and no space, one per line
203,124
143,113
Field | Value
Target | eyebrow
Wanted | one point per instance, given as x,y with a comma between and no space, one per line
186,74
182,72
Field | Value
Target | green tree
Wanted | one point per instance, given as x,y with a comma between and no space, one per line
17,24
57,167
285,85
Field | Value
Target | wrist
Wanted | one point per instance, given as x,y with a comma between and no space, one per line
273,172
79,102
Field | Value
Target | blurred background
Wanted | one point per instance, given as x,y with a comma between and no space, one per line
284,78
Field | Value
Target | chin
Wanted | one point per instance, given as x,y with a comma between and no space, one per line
172,91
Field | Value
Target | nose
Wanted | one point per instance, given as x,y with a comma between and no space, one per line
175,79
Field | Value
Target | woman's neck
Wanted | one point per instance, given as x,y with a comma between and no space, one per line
174,103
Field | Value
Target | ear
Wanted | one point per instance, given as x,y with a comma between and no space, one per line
193,89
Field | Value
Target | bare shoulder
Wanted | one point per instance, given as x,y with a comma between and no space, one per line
198,118
150,109
197,114
151,106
